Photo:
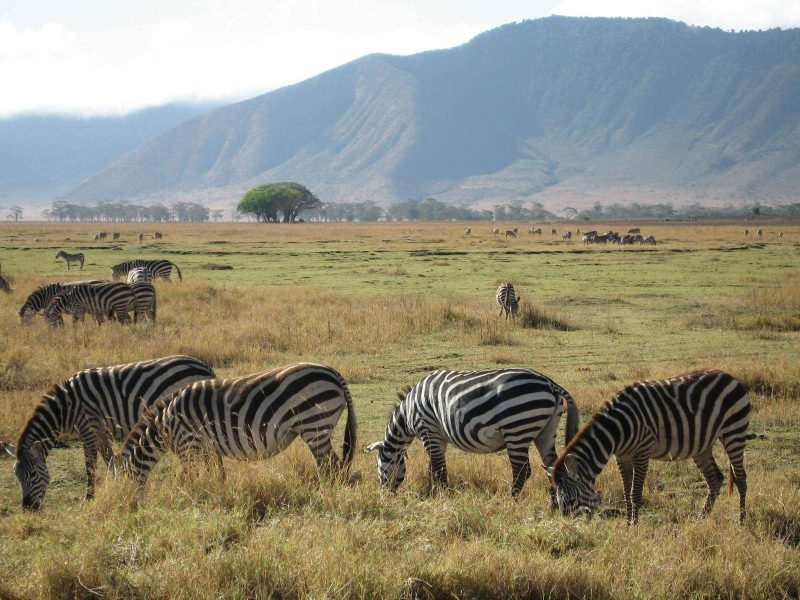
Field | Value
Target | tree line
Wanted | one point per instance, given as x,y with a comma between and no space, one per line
126,212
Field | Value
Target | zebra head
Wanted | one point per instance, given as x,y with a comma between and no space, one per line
30,469
53,314
391,465
118,271
574,493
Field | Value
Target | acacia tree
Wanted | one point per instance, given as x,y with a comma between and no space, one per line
270,201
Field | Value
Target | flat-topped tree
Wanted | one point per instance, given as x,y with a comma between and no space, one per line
270,201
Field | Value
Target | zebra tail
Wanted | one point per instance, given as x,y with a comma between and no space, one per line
180,277
731,479
349,442
573,418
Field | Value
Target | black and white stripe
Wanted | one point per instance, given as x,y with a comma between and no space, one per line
98,404
477,411
71,258
140,275
670,419
100,300
507,299
42,296
246,418
144,301
159,267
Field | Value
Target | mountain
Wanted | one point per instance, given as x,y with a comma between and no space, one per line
567,111
44,156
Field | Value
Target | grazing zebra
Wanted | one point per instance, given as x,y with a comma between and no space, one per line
115,236
141,238
144,301
157,235
634,230
510,233
535,231
515,230
508,300
140,275
99,404
41,297
467,232
158,268
246,418
587,239
99,299
496,231
669,419
70,258
477,411
567,237
4,285
760,232
600,239
649,240
626,240
100,236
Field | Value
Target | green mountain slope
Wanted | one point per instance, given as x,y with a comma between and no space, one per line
563,110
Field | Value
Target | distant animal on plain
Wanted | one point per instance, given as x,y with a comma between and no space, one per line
535,231
638,238
590,233
567,237
4,285
634,230
760,232
71,258
158,235
468,232
587,239
101,236
115,236
553,232
780,234
746,232
577,232
158,267
516,230
496,231
600,239
510,233
508,300
651,240
141,238
626,240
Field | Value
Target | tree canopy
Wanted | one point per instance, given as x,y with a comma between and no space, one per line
271,201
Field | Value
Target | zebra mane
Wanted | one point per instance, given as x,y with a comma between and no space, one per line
401,396
54,393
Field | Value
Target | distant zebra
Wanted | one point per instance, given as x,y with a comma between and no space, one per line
115,236
587,239
246,418
71,258
4,285
99,300
760,232
515,230
467,232
140,275
590,233
144,301
478,411
669,419
634,230
141,238
41,297
535,231
157,235
510,233
553,232
651,240
780,234
567,237
99,404
496,231
158,268
746,232
508,300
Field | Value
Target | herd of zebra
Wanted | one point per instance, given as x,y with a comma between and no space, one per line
633,236
101,299
116,236
177,404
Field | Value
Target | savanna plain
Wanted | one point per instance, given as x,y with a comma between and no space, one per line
385,304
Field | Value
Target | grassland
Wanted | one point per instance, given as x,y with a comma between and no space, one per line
385,304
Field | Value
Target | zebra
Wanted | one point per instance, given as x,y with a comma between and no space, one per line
99,299
510,233
139,275
480,412
649,240
760,232
157,235
746,232
144,301
115,236
495,231
780,234
553,232
41,297
535,231
467,232
158,267
246,418
5,286
508,300
70,258
141,238
634,230
567,237
99,404
588,239
669,419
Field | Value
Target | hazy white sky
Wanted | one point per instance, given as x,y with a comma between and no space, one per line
106,56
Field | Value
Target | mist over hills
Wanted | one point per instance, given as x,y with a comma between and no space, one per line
44,156
566,111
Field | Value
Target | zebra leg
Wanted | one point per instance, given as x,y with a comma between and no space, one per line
89,439
319,442
640,464
626,470
435,446
106,451
546,445
520,467
734,448
708,467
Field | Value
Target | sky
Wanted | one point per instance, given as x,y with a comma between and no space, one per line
91,57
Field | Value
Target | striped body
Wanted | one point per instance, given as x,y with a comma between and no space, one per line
71,258
98,404
511,233
507,299
480,412
671,419
99,300
246,418
158,268
144,301
42,296
140,275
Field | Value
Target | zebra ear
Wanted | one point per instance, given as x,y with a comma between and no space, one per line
10,449
373,446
